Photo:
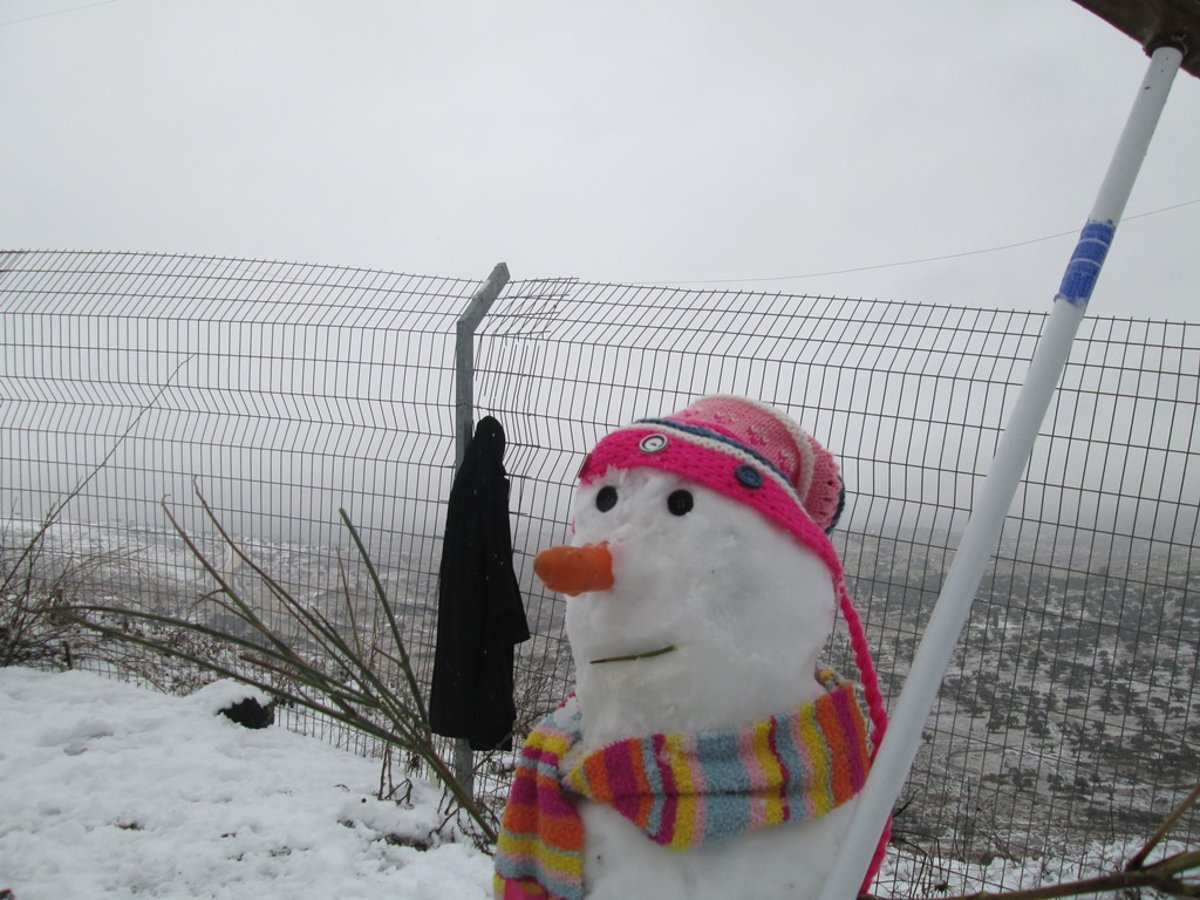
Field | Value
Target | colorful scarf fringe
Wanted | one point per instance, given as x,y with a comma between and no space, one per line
683,790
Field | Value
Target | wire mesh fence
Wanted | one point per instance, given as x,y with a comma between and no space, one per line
1070,718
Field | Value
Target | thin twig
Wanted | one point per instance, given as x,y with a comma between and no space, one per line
356,696
387,609
1164,875
1159,876
56,509
1167,824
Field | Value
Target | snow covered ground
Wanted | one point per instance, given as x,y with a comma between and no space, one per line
101,784
109,790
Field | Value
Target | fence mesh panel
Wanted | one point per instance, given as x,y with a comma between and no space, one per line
1069,720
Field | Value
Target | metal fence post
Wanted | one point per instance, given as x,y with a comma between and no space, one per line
464,428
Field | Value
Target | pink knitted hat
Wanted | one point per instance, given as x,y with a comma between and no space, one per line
756,455
745,450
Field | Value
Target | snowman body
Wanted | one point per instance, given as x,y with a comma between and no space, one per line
787,861
715,618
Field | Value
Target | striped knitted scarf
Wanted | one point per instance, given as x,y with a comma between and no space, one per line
683,790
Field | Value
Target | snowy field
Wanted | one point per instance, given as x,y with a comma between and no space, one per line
1035,769
110,790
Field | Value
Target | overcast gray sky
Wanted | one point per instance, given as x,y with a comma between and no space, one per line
676,141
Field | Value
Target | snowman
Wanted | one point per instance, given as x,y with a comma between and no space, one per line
704,752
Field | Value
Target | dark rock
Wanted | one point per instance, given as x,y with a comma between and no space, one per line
250,713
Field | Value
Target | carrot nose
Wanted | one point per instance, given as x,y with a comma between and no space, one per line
573,570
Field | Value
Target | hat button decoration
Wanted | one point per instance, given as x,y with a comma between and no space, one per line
809,467
705,751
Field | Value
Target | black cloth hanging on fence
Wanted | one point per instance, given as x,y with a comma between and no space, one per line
481,615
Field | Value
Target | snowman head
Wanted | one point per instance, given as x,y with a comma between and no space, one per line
705,583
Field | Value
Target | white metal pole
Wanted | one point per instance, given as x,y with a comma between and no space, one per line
912,708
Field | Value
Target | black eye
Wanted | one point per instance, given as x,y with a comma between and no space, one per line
607,498
680,503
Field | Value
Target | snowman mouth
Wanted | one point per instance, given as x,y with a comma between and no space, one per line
648,654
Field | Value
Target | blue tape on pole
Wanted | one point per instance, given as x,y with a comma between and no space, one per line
1084,268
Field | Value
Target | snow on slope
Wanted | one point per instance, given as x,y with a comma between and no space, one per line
109,790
